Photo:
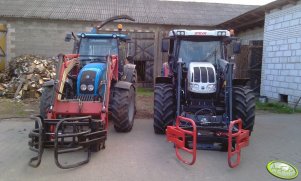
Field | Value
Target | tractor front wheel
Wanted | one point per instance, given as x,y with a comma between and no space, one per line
123,109
244,106
164,107
46,100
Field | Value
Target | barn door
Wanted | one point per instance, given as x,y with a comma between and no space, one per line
248,64
3,31
142,50
255,64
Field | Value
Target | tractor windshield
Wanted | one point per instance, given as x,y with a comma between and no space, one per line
193,51
97,49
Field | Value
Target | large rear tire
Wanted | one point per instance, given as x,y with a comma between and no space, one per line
46,100
123,109
164,107
244,106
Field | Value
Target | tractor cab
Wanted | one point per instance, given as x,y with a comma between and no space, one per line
199,46
96,47
94,50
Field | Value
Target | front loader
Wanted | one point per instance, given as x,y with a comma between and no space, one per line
90,84
197,101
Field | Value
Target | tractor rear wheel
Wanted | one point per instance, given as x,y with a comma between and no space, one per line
244,106
164,107
123,109
46,100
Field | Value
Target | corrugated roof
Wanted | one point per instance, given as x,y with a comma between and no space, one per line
255,17
144,11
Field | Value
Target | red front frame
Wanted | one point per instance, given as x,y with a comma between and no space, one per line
176,135
241,140
82,108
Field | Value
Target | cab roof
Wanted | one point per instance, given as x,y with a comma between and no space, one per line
104,36
184,33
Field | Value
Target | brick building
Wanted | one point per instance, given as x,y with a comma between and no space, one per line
281,67
271,38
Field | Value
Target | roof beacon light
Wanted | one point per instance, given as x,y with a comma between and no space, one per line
231,32
119,26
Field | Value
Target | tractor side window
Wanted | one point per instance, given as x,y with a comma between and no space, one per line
122,51
171,47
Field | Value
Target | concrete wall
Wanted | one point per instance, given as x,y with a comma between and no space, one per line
39,36
249,35
46,37
281,69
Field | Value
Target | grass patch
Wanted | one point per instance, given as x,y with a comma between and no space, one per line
276,107
10,108
147,92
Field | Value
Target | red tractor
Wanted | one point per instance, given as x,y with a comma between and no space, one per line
197,102
91,83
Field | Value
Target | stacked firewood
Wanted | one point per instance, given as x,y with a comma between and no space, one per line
25,76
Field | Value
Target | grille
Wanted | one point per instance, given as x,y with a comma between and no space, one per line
203,74
85,97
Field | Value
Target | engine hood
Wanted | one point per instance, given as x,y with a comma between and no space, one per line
91,74
202,78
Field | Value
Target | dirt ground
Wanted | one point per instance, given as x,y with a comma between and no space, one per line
10,108
144,107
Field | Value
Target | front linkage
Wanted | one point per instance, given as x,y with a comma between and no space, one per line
65,136
179,136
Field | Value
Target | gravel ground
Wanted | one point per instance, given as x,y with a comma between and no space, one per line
142,155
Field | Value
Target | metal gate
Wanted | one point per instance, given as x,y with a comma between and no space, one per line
142,50
3,31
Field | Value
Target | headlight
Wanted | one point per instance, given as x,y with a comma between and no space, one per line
194,86
211,87
83,87
90,87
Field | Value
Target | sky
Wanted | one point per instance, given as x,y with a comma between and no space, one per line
247,2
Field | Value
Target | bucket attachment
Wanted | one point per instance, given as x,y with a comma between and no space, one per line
241,138
65,136
177,135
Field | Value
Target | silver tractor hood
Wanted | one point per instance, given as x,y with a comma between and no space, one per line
202,78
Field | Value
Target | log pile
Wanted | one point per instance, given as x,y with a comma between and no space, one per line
26,75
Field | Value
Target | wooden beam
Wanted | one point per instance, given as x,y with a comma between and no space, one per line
250,22
293,2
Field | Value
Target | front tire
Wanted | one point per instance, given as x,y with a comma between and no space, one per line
244,106
123,109
46,101
164,107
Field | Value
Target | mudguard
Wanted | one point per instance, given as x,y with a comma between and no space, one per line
164,80
123,85
49,83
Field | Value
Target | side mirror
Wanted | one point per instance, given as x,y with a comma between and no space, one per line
236,47
68,37
165,45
